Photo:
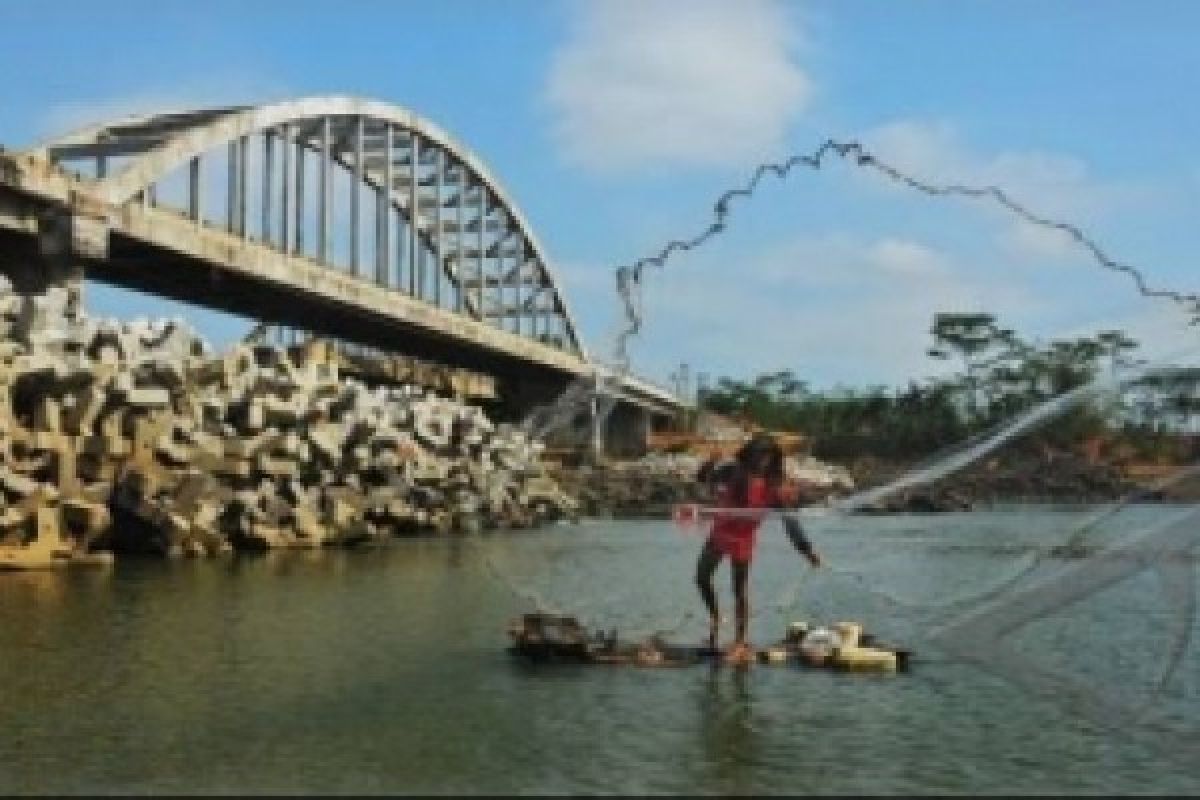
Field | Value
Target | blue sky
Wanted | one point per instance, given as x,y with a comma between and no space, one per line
616,124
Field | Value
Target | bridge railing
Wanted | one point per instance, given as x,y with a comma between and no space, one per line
639,383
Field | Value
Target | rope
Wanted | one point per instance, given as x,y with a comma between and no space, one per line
629,276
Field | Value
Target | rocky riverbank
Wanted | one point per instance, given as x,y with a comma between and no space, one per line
1060,477
133,437
642,489
650,486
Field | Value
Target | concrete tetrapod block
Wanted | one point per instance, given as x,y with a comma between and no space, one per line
308,527
46,549
275,467
172,454
326,440
13,518
87,520
143,398
79,419
250,446
106,446
16,484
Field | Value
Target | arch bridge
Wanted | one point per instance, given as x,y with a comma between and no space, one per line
334,216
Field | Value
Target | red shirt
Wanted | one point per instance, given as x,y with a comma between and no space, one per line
734,535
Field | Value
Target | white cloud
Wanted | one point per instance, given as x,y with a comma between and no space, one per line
840,260
1023,240
213,91
701,82
835,308
70,115
857,310
906,258
1160,328
935,151
1054,186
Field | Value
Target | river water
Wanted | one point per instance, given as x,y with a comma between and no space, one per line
385,671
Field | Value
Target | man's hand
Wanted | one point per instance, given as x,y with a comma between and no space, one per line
795,533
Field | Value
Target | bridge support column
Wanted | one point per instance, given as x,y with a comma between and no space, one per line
598,424
37,279
627,431
34,276
65,241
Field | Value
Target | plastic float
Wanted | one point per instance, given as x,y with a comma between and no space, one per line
541,637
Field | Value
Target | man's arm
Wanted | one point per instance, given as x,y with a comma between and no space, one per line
799,540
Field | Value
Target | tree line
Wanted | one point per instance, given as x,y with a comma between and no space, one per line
997,375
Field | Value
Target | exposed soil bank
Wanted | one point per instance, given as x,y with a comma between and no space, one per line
649,488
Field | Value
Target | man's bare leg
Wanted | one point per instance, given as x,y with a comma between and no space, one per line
706,566
741,575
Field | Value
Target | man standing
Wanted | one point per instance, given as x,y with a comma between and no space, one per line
743,492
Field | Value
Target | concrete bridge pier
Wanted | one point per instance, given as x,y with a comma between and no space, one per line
585,428
625,433
56,261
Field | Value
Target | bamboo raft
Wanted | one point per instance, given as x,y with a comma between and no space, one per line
541,638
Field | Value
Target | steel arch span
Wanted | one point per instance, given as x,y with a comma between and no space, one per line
364,188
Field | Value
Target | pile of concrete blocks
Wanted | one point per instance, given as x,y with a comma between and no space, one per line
135,437
811,471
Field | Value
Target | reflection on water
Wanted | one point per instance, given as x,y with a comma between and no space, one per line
729,737
384,671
